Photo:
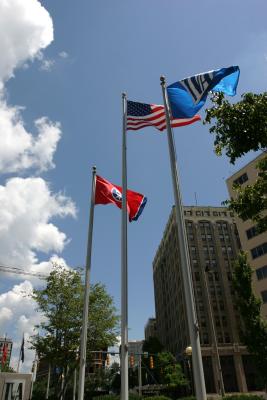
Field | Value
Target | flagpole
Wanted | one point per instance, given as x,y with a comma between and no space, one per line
86,292
20,353
124,262
185,260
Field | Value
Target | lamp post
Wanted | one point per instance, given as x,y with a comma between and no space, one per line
188,355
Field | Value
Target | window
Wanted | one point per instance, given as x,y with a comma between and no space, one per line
187,212
251,232
261,272
227,337
264,296
259,250
229,249
241,179
205,338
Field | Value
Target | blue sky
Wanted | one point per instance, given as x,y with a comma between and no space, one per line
100,49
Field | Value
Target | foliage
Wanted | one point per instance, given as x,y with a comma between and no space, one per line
171,372
61,304
6,368
187,398
132,396
251,201
240,127
160,397
254,330
244,397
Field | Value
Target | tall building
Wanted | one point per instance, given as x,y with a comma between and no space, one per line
255,245
5,342
151,328
213,244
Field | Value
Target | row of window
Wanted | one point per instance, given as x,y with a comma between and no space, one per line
252,232
264,296
259,250
206,213
241,179
261,272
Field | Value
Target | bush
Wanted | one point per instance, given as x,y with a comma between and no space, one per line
243,397
187,398
157,398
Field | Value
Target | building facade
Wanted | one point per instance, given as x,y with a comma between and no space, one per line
135,347
254,244
9,343
213,245
151,328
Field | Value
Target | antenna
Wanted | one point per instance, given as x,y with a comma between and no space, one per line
195,193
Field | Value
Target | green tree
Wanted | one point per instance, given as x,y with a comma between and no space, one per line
254,329
170,371
61,304
240,128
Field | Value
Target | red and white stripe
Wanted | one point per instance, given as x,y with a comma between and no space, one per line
157,119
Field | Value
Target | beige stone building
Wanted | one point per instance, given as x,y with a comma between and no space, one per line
213,244
255,245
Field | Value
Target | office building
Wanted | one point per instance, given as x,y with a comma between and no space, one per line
254,244
150,328
5,342
213,244
135,347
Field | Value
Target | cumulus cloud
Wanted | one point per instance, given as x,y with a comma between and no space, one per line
27,207
18,303
25,29
22,150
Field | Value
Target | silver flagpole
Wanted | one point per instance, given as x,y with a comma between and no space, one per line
86,292
185,260
48,382
124,260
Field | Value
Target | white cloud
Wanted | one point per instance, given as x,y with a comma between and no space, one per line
25,29
63,54
18,303
47,65
26,209
22,150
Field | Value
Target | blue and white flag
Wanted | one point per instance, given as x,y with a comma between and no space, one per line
186,97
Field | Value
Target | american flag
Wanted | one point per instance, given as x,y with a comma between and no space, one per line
140,115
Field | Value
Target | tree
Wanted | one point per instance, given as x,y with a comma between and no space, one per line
170,371
254,329
61,304
240,128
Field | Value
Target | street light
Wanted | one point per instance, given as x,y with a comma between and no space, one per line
188,355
